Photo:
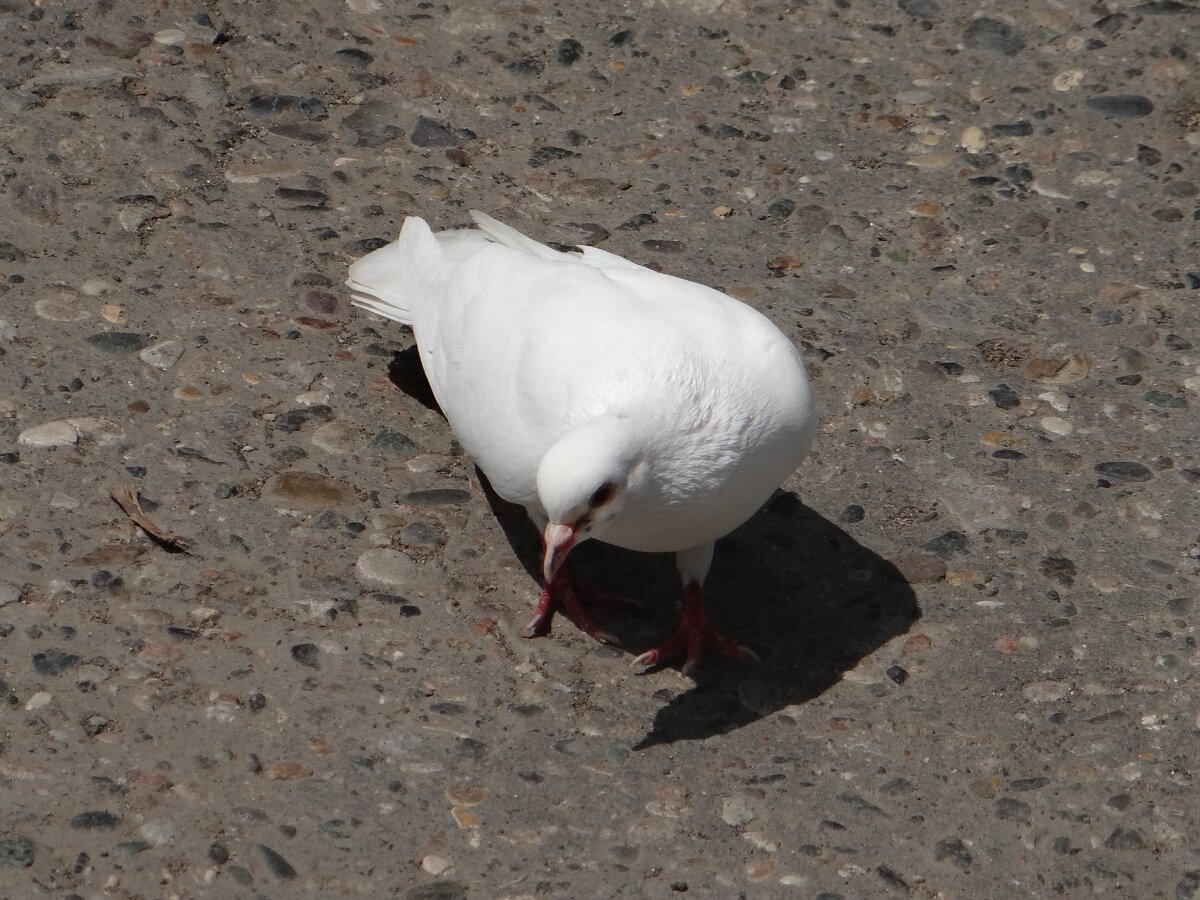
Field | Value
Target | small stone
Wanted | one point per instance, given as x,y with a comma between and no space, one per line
898,674
1058,371
54,662
736,811
162,355
437,890
16,853
947,545
159,832
295,419
1046,691
218,853
391,441
851,514
115,343
1125,839
428,133
51,434
285,104
1012,810
307,655
38,700
336,437
954,851
1004,397
1124,471
991,34
307,491
285,771
418,534
1121,106
387,568
373,124
279,866
96,818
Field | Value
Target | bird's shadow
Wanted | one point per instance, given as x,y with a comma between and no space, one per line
802,593
797,589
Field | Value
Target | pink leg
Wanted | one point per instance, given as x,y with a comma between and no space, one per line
694,632
568,594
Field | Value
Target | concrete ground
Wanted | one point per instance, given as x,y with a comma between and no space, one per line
976,602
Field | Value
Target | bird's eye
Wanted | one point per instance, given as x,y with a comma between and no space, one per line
603,494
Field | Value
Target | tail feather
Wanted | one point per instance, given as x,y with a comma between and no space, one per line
510,237
387,280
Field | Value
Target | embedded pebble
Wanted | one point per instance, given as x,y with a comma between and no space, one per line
307,491
386,568
162,355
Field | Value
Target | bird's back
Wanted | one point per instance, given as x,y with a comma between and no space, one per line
521,343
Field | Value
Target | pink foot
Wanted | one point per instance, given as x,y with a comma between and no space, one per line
694,633
566,593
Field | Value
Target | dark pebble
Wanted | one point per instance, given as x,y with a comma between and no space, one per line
1028,784
10,457
322,302
54,662
354,56
393,441
1121,106
947,545
10,252
224,491
1004,397
307,655
418,534
437,890
132,848
96,818
117,342
16,853
1013,129
1124,471
951,368
257,701
1008,454
437,497
1125,839
1012,810
529,66
1128,380
545,155
851,514
373,124
1175,342
1059,569
954,851
240,875
430,133
279,866
898,674
569,51
218,853
267,107
307,196
1164,400
639,221
781,208
295,419
889,876
366,245
992,34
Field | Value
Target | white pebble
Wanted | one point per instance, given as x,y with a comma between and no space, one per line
162,355
53,434
170,36
37,701
1055,425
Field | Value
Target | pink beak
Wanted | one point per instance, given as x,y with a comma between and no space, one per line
557,541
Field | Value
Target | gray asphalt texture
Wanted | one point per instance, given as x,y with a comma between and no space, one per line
976,602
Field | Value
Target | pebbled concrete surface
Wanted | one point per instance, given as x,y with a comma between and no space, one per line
976,603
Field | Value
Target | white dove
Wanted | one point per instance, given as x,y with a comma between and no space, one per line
613,402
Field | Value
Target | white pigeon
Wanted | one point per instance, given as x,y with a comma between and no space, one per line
611,401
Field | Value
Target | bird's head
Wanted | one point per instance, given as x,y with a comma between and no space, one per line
584,482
